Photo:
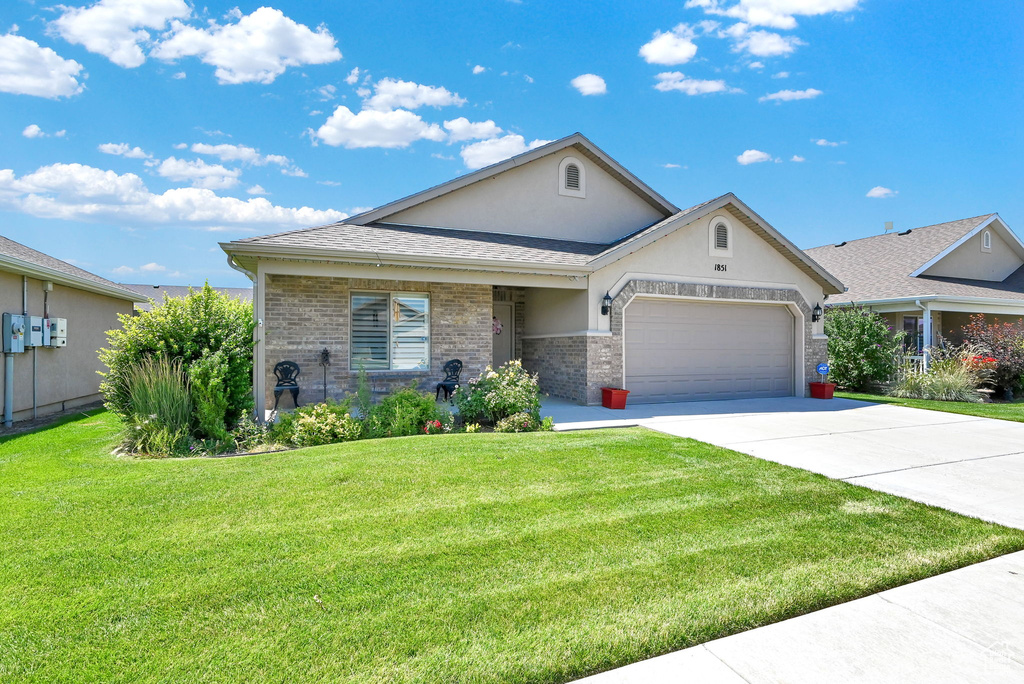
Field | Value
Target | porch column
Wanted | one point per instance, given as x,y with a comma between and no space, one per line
927,336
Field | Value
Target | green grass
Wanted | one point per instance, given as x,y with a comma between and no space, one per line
465,558
1005,411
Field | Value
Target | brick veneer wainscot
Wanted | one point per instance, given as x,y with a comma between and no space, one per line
304,314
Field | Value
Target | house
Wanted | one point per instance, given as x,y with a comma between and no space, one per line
929,281
158,293
47,378
559,257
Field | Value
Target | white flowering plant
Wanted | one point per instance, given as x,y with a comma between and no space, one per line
500,393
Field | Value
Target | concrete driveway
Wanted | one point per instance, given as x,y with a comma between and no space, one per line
966,464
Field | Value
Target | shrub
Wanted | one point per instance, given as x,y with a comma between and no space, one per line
473,428
1005,343
862,349
158,416
282,431
207,378
250,435
500,393
517,422
954,374
324,424
186,328
402,413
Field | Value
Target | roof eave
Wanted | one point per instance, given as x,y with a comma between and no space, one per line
959,299
43,273
1015,243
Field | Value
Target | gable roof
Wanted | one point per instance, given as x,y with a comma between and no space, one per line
888,266
452,248
18,258
576,140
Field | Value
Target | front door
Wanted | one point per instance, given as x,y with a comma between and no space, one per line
503,334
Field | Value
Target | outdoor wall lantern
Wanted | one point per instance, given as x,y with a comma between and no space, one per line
606,304
816,313
325,361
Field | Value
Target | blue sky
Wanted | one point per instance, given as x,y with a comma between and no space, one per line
136,134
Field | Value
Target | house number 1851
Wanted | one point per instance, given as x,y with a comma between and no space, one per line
721,267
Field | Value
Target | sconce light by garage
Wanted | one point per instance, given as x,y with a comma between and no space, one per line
816,313
606,304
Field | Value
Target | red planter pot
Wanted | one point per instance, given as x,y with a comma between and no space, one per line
613,398
822,390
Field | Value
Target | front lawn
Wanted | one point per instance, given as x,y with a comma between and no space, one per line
465,558
1003,411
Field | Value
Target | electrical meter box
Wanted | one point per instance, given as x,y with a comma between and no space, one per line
34,332
58,332
14,333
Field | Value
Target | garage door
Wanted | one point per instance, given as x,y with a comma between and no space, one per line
692,351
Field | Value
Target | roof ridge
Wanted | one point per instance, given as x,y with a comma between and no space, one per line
289,232
931,225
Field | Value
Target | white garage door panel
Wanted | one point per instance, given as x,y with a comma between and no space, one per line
691,351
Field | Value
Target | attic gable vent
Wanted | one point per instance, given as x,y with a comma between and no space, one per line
721,236
986,242
572,177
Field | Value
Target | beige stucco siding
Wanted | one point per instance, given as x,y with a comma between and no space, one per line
68,376
552,312
969,261
525,201
683,256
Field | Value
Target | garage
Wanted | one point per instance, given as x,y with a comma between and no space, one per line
679,350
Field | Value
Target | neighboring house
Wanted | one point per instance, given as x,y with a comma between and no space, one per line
929,281
50,379
158,293
559,257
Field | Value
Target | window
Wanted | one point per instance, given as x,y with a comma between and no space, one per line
721,236
390,331
986,242
572,178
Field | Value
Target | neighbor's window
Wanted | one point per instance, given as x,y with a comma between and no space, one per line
390,331
986,242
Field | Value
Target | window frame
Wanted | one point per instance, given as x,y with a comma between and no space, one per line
563,189
986,241
713,249
389,296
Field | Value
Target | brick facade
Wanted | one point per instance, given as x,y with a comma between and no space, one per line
304,314
560,364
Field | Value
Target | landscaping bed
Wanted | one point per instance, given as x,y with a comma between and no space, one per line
537,557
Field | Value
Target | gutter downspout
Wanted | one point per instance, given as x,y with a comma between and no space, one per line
256,332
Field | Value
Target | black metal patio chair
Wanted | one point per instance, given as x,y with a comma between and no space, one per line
287,373
452,370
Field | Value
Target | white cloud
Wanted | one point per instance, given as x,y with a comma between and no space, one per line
75,192
33,131
326,92
152,267
240,153
257,48
880,192
295,172
353,76
60,134
821,142
528,78
789,95
670,47
756,65
797,158
671,166
256,190
390,93
674,80
766,43
486,152
753,157
479,69
781,74
115,28
775,13
123,150
372,128
179,75
123,270
199,173
462,129
590,84
329,183
28,69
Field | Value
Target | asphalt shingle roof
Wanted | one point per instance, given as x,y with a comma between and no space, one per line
879,267
161,292
16,250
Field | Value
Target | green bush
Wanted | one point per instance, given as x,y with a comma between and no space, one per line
954,374
862,349
517,422
500,393
186,328
158,416
207,377
402,413
1005,343
250,435
282,431
322,424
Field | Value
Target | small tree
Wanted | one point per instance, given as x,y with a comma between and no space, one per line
1005,343
862,348
205,329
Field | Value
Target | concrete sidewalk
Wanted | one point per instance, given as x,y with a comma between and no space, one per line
963,626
